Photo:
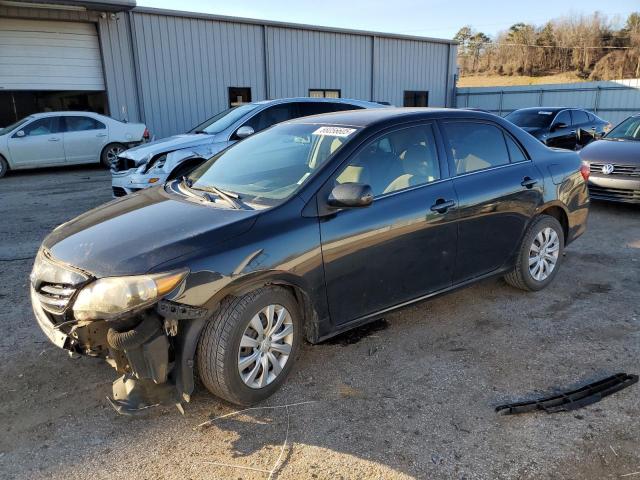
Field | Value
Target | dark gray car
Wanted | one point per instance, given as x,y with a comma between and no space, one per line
615,163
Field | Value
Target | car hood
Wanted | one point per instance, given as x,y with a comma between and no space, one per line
131,235
611,151
143,152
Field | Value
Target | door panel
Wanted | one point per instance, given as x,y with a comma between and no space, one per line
564,137
84,138
398,248
393,251
494,209
498,189
42,144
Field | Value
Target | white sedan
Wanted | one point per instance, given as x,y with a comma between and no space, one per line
66,138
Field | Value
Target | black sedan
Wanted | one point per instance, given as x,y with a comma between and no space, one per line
301,232
615,163
569,128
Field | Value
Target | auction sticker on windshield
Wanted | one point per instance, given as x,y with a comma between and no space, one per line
334,131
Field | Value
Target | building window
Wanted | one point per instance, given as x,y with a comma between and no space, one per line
239,95
322,93
415,98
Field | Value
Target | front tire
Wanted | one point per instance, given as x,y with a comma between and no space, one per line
110,154
540,255
247,349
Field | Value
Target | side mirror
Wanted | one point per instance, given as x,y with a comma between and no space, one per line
20,133
558,126
350,195
245,131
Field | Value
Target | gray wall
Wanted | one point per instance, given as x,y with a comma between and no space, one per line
612,100
411,65
302,59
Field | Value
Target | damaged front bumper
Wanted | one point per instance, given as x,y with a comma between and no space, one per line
133,180
152,349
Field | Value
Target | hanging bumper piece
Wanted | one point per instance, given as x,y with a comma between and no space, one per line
592,393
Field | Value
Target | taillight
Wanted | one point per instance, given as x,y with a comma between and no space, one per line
146,134
585,171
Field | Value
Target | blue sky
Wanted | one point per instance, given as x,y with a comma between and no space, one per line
435,18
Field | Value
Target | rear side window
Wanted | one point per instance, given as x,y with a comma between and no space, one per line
80,124
579,117
475,146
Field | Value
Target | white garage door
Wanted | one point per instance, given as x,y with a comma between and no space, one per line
49,55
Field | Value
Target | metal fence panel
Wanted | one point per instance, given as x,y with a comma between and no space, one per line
612,100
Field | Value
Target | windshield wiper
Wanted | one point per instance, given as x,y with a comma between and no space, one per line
229,197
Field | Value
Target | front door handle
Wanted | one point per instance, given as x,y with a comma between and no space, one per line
442,205
54,139
573,132
528,182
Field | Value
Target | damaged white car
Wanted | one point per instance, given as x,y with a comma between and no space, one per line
156,162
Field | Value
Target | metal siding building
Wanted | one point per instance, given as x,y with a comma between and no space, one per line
173,70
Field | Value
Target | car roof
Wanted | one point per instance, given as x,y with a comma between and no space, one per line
349,101
62,112
547,109
366,118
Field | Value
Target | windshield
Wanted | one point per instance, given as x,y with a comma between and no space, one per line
8,129
629,129
531,118
270,166
223,120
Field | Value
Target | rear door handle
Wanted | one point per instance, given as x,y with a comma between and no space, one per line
101,135
54,139
528,182
442,205
572,131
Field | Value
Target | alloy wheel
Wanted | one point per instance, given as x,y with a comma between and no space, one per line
265,346
113,152
543,254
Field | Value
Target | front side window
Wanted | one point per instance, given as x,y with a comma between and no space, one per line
43,126
272,115
395,161
324,93
316,108
269,167
475,146
416,98
80,124
563,117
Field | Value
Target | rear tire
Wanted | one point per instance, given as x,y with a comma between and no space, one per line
232,336
4,166
540,255
110,153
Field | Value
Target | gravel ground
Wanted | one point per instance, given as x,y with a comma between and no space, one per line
410,397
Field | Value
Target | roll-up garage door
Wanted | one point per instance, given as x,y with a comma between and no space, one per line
49,55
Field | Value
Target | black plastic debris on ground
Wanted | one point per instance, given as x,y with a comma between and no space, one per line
357,334
592,393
